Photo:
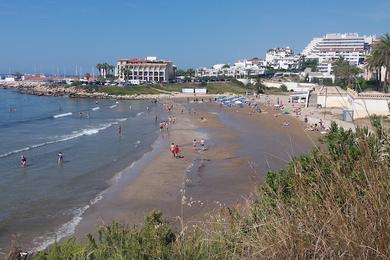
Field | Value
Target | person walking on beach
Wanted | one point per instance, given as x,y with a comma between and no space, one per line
60,158
23,161
177,151
161,126
120,130
172,149
202,142
194,143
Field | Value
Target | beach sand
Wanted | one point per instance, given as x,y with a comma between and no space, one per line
242,147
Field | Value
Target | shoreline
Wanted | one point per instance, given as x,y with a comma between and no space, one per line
223,156
201,182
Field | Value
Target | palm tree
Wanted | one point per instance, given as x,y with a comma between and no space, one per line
345,71
375,62
99,67
383,53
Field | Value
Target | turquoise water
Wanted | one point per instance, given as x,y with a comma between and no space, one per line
46,200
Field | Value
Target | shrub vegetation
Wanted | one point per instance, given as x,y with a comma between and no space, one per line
329,204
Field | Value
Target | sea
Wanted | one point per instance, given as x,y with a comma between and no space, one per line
45,201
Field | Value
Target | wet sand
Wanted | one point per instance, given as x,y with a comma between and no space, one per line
241,148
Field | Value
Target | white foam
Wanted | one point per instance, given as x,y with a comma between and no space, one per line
65,230
75,134
63,115
95,108
113,106
140,113
14,152
122,119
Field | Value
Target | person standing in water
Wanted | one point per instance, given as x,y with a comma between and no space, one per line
120,130
23,161
60,158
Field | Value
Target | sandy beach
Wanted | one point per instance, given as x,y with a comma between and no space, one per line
240,148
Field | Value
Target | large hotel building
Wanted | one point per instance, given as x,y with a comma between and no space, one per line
149,69
350,46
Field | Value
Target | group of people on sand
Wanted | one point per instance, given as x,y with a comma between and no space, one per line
199,144
316,126
23,160
175,151
164,125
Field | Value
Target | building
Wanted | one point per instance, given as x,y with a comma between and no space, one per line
349,46
242,69
282,58
149,69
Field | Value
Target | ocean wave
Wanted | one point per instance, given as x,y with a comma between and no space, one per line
140,113
95,108
113,106
75,134
62,115
122,119
65,230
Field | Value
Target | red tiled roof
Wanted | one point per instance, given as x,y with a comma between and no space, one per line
136,60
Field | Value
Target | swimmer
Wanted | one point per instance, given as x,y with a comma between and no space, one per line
23,161
60,158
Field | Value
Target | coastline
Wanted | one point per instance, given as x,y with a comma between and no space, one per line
209,178
203,181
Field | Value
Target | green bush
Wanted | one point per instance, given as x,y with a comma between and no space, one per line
329,204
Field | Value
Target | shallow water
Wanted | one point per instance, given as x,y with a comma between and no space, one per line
45,200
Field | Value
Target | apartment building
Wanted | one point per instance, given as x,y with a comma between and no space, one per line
350,46
149,69
282,58
241,69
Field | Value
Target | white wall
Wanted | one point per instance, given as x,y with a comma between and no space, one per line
291,86
366,107
333,101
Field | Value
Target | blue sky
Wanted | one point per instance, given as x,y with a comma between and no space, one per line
50,35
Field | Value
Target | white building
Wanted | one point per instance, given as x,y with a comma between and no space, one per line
240,69
149,69
282,58
349,46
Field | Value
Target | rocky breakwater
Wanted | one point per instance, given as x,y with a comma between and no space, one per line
40,88
49,89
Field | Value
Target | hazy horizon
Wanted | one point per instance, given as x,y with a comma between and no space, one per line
53,36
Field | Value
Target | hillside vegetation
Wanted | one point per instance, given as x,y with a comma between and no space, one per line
324,205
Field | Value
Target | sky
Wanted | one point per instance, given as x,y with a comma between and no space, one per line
55,36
